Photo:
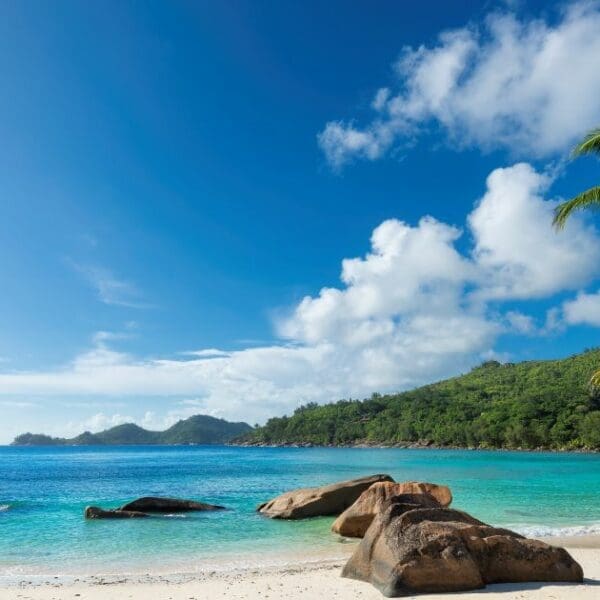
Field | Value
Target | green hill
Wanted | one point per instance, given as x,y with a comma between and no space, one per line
36,439
128,433
538,404
199,429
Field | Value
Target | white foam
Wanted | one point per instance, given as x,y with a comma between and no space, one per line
4,507
547,531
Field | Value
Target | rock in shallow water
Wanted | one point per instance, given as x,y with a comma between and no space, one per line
319,501
408,551
152,504
95,512
355,520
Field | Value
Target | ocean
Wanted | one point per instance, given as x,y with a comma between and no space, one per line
43,492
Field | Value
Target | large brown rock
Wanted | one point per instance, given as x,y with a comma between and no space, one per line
94,512
355,520
410,551
152,504
441,493
319,501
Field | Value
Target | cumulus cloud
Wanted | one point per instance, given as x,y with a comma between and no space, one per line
518,253
410,270
583,310
527,85
416,307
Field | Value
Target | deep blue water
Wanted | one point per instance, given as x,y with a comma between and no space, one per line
43,492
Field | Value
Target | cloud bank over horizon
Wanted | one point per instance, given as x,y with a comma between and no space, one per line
417,307
489,86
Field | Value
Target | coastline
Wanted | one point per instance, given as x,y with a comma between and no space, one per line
362,444
411,446
314,578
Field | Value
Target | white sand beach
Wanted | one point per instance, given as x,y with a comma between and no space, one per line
314,582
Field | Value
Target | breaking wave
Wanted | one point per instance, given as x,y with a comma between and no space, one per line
547,531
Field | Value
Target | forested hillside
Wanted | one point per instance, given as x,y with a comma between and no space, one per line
199,429
526,405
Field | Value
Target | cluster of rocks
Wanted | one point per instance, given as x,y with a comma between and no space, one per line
144,507
413,543
328,500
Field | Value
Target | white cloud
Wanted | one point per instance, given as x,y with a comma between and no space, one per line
110,288
527,85
18,404
521,323
410,270
101,421
517,251
417,307
206,353
584,309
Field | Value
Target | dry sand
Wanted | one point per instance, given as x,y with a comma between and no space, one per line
314,582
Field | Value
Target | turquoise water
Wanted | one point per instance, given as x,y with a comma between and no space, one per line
43,492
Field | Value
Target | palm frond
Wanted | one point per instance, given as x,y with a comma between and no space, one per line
589,145
587,199
595,380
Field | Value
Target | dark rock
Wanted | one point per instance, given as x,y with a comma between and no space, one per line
94,512
152,504
319,501
410,551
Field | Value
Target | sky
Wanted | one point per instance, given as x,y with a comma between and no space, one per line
238,207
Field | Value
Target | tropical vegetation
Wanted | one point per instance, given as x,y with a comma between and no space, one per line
537,404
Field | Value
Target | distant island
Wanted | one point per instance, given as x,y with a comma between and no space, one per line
199,429
530,405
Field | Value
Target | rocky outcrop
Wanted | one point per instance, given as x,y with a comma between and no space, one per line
441,493
94,512
355,520
319,501
152,504
408,551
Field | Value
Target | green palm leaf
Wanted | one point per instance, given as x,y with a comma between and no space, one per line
588,199
590,144
595,380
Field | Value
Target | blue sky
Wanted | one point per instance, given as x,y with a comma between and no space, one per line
189,176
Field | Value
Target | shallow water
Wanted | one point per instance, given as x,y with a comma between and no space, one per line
43,492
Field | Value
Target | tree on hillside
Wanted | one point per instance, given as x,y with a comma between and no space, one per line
588,199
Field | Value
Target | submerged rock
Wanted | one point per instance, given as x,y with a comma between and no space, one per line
319,501
151,504
95,512
355,520
406,552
